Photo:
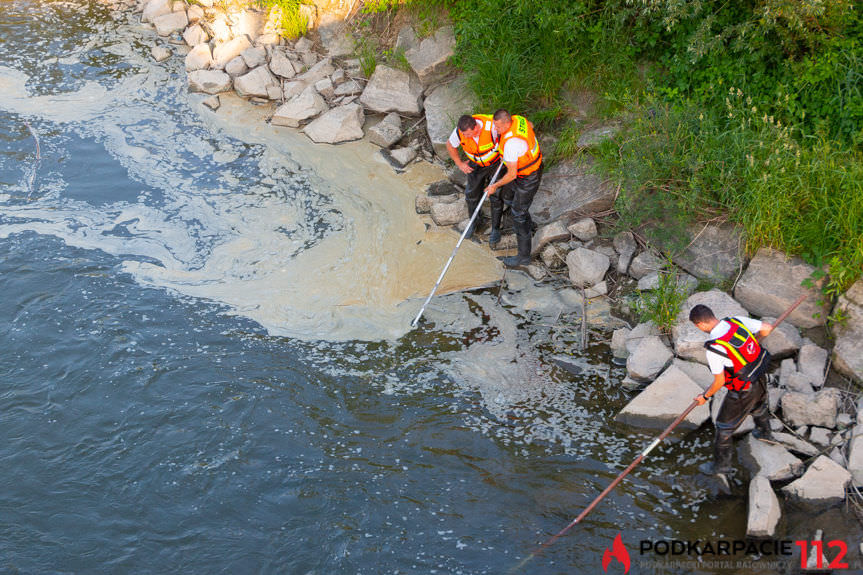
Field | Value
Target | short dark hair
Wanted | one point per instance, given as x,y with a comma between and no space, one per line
701,314
502,114
466,123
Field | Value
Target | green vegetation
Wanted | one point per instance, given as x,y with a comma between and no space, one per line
293,22
661,305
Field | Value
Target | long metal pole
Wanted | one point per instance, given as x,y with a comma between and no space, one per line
637,460
460,240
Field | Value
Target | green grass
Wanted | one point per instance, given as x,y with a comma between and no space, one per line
293,23
661,305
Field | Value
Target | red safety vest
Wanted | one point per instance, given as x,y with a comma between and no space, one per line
532,159
484,152
749,359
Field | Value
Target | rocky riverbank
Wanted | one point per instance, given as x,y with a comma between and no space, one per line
317,85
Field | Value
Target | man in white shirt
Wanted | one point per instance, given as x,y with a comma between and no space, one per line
739,363
477,137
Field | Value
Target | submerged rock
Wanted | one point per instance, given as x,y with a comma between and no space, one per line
764,509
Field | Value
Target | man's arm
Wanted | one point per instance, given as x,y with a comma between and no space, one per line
511,173
718,382
765,330
461,164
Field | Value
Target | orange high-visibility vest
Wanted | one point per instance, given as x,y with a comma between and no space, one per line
485,151
530,161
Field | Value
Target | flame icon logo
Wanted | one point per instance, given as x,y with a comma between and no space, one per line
619,552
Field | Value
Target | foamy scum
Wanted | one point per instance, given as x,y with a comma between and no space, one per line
312,242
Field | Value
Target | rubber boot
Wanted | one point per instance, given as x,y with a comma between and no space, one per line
496,217
522,230
762,425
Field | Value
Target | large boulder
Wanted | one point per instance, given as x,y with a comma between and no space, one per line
209,81
848,351
771,460
156,8
772,282
586,267
393,90
341,124
697,372
254,56
443,107
713,252
818,409
430,59
248,22
569,191
688,339
255,83
663,400
764,510
823,483
301,108
783,341
648,358
199,58
224,53
168,24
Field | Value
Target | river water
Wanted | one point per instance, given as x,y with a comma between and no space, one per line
207,362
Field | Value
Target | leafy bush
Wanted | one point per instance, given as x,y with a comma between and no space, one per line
661,305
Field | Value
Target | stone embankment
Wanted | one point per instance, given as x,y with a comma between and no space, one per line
319,87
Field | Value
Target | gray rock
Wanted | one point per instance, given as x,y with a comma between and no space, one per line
336,38
236,67
547,234
618,343
648,359
848,351
645,263
799,382
783,341
823,483
255,83
795,444
195,35
554,256
536,272
275,92
325,88
254,57
586,267
442,188
386,132
569,191
299,109
596,136
663,400
430,60
403,156
219,29
295,88
771,460
303,45
281,65
584,229
449,214
818,409
422,203
224,53
713,252
855,458
199,58
786,368
317,72
406,39
812,361
341,124
155,9
160,53
764,510
248,23
774,396
212,103
597,290
349,88
697,372
195,13
209,81
688,339
772,282
168,24
625,242
820,436
392,90
639,333
446,199
309,59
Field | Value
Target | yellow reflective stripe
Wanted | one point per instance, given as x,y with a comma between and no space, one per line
731,349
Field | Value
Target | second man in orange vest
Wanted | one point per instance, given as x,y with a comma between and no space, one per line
520,151
477,137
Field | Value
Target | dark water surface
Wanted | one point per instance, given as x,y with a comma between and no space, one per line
146,431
